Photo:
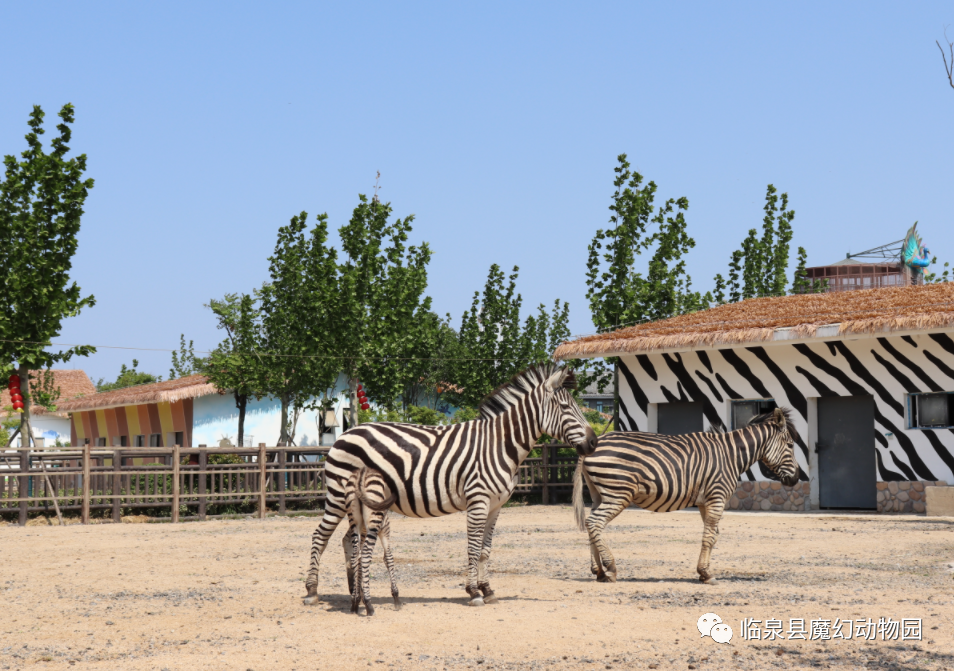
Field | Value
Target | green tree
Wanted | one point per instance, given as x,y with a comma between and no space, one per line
494,345
128,377
184,362
298,320
618,294
380,291
762,263
431,362
41,205
236,364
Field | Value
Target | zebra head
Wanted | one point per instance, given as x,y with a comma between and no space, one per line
561,416
778,451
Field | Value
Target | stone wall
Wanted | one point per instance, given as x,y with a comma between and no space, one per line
903,497
770,496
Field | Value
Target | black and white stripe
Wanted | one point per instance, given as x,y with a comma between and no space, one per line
887,368
665,473
438,470
367,499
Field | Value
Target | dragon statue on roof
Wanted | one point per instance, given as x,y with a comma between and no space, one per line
913,252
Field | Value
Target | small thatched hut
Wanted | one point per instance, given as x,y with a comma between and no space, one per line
870,375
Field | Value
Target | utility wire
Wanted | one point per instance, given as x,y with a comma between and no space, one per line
501,358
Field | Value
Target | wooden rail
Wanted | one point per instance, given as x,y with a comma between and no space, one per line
184,482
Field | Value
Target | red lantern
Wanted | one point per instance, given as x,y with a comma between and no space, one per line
14,381
365,406
360,387
15,396
18,406
362,395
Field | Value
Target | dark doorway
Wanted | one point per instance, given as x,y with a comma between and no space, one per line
846,453
677,418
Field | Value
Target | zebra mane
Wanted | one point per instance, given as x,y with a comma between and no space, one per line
767,417
520,385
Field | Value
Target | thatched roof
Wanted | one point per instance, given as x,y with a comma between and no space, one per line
169,391
72,383
912,308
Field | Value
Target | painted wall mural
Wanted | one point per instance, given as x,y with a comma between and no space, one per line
889,369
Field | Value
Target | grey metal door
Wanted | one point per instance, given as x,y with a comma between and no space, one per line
680,417
846,452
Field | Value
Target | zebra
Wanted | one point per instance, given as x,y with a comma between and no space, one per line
471,466
367,499
665,473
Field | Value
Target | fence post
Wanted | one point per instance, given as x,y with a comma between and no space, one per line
281,482
262,464
117,485
87,449
203,465
545,453
23,485
175,484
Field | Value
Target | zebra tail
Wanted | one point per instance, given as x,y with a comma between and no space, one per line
579,510
377,506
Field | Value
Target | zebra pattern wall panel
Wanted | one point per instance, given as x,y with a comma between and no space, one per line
893,371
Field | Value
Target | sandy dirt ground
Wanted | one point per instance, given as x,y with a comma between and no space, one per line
227,595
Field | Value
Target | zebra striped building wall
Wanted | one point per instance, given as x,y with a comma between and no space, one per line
796,374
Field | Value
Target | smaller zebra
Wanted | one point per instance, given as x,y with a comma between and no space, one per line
367,499
664,473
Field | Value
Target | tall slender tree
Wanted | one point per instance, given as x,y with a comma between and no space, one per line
381,284
619,294
298,329
237,364
41,206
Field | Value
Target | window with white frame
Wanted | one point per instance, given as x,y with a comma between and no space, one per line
743,411
931,411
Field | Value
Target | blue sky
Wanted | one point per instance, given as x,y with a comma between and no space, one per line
208,125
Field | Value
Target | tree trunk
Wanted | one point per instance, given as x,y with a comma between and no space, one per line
241,401
283,436
353,395
26,431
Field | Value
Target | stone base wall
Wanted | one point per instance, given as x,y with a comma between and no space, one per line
904,496
770,496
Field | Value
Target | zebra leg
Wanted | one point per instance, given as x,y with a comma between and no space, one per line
319,541
355,542
385,536
364,575
482,582
710,534
350,544
595,523
476,523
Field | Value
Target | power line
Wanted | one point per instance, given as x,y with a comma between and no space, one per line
399,358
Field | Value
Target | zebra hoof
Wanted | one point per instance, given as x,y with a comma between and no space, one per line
605,577
310,600
491,599
368,609
476,601
710,581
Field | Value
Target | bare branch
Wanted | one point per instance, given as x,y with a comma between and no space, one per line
948,67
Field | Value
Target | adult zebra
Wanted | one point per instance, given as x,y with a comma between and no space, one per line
665,473
438,470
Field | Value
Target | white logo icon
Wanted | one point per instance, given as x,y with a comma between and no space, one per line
712,625
721,633
706,622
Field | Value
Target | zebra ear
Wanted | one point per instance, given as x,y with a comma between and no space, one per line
556,380
779,418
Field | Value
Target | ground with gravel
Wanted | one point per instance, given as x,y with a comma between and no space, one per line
227,595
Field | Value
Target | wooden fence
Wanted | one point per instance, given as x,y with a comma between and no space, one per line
182,480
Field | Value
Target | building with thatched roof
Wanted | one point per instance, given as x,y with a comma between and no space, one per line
189,411
52,426
869,373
